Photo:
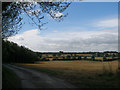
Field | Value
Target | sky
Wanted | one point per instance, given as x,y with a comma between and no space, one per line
89,26
101,0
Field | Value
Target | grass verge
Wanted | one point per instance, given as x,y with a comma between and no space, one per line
9,79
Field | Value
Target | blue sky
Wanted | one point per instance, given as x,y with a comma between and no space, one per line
89,26
81,14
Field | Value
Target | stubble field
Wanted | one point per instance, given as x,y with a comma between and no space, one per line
84,74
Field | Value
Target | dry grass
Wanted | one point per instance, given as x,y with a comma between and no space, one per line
82,73
79,66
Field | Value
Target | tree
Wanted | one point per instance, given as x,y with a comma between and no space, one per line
13,53
12,11
79,57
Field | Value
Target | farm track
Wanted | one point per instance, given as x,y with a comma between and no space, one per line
35,79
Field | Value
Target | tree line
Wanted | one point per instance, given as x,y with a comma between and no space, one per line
12,53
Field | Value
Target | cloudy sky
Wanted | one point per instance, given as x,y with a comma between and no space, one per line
89,26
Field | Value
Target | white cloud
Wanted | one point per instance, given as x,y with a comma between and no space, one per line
56,14
107,23
68,41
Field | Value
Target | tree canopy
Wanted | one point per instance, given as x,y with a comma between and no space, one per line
13,53
12,11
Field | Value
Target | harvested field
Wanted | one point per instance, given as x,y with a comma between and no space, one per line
79,66
81,73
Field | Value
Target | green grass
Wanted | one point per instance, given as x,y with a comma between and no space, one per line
44,70
118,75
10,79
95,81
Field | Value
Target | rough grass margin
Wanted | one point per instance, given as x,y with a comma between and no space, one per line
10,79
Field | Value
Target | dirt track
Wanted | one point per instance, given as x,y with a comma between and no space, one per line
35,79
